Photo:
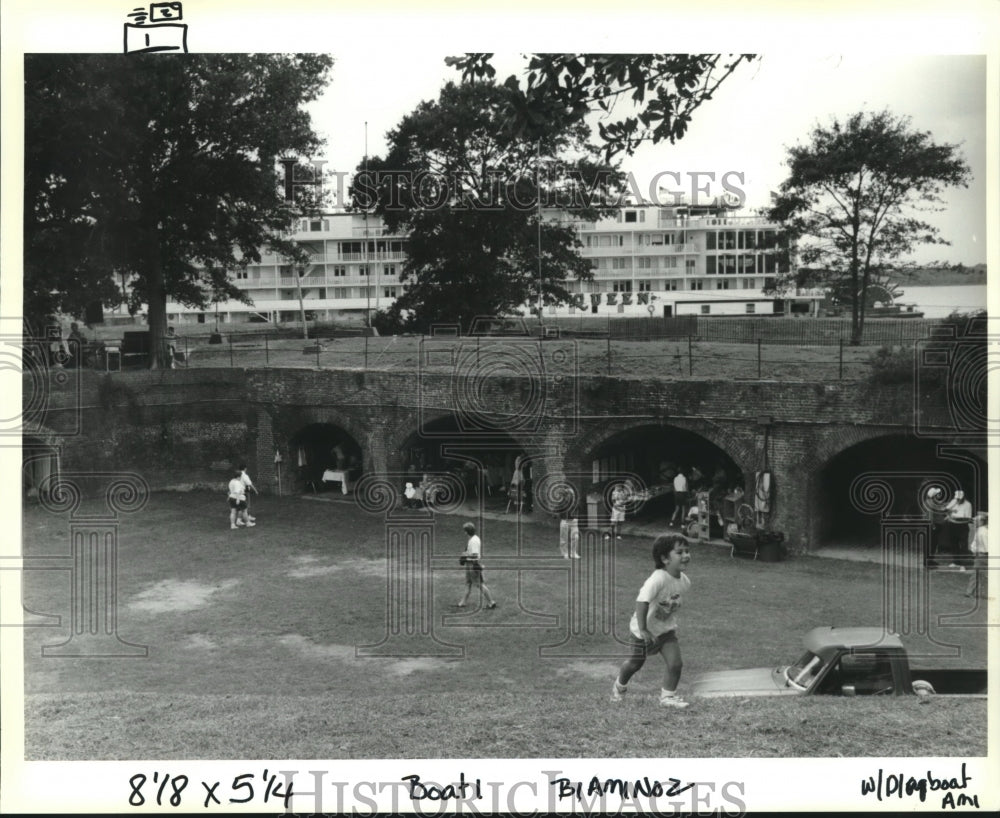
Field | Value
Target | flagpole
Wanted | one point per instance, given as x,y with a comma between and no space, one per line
538,189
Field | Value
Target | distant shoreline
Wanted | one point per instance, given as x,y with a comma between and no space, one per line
943,278
978,282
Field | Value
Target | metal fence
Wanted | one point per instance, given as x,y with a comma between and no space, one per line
744,330
640,357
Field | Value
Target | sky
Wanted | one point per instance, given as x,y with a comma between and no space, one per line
760,111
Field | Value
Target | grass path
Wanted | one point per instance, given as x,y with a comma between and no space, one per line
252,637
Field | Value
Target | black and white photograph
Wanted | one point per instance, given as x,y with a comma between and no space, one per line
589,423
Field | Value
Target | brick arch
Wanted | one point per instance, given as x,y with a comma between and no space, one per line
301,417
831,444
403,431
33,453
738,447
45,435
835,441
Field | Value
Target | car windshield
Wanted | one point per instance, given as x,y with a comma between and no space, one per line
802,672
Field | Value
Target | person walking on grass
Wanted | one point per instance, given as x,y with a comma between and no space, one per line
569,534
474,568
238,502
248,486
979,547
653,628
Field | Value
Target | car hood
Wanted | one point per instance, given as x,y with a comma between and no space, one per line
756,681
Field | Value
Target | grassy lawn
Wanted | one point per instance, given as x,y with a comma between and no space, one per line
671,359
252,637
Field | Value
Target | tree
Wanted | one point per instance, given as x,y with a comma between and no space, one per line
161,169
662,91
467,192
851,195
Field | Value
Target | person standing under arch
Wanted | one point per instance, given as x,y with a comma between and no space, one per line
681,502
959,512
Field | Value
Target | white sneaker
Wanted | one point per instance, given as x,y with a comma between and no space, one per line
617,691
252,519
234,527
251,525
239,523
673,701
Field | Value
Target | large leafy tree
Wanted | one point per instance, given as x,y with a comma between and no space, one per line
642,97
467,190
158,170
852,199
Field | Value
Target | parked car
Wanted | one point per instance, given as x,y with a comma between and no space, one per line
844,662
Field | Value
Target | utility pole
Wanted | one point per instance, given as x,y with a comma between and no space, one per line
299,272
364,247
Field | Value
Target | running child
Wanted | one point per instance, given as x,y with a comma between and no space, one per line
473,567
654,624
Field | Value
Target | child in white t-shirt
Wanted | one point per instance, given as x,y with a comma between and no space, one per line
247,486
238,502
654,624
619,500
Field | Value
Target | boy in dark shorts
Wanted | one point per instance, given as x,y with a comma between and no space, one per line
654,624
473,568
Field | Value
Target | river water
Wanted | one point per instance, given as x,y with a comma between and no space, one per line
938,301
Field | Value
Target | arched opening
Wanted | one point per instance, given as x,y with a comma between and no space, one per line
39,466
326,457
493,467
911,460
655,455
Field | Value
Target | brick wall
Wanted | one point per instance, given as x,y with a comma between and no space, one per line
190,426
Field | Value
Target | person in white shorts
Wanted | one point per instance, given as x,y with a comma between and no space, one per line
238,502
248,486
569,535
619,499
